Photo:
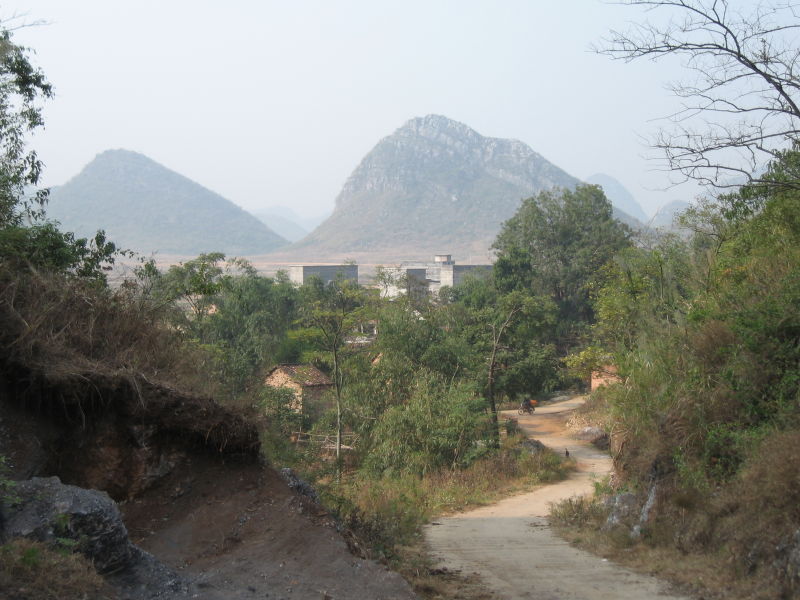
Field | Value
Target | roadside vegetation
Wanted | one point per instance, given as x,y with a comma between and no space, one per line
704,327
704,333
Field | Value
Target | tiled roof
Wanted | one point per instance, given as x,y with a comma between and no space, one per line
305,375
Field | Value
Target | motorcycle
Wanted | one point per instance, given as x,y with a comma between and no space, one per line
526,409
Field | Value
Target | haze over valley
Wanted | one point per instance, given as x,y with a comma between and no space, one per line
432,186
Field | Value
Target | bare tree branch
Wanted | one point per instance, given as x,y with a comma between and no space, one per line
743,107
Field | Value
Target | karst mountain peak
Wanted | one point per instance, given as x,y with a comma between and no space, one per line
433,183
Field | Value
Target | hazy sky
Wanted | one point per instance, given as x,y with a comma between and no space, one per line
275,103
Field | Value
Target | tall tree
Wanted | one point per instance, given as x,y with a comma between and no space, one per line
41,245
333,311
555,245
226,306
22,87
502,331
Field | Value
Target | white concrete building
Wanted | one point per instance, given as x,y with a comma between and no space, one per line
299,274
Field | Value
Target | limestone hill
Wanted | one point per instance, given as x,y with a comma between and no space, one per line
144,206
434,185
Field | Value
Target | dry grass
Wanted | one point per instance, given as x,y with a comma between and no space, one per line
592,413
505,473
63,328
33,571
709,576
723,545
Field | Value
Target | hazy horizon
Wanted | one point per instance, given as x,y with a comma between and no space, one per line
275,104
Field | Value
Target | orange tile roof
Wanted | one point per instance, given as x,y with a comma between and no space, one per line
304,375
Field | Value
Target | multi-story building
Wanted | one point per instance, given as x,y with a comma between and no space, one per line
299,274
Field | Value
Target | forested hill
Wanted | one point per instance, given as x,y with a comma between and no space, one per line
434,185
144,206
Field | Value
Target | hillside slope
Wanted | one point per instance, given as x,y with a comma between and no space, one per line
148,208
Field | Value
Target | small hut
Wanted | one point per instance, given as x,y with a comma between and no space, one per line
308,383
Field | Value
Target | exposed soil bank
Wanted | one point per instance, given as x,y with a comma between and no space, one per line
511,546
238,532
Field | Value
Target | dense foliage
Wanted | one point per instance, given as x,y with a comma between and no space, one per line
555,246
22,86
705,333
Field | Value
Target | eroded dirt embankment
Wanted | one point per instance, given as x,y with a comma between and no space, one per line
511,546
193,491
237,531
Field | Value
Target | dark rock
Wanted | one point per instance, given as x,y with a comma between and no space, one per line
602,442
533,446
596,436
788,562
146,577
298,485
48,511
589,433
24,438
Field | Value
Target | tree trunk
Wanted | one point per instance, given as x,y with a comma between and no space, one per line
490,398
337,381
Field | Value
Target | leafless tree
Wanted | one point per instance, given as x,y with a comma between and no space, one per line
741,104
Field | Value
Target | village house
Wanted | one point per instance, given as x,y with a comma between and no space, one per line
309,384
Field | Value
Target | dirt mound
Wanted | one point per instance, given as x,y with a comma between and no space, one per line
237,531
85,392
118,434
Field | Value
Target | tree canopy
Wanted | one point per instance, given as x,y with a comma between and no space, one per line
22,87
556,245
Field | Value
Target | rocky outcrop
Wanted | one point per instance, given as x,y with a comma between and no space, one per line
533,446
622,509
298,485
599,438
89,522
787,563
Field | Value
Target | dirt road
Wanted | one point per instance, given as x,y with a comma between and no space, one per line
511,546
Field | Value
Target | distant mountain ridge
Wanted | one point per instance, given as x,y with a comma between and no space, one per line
434,185
619,196
665,216
286,228
144,206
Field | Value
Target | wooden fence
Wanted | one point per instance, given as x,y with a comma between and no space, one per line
327,441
